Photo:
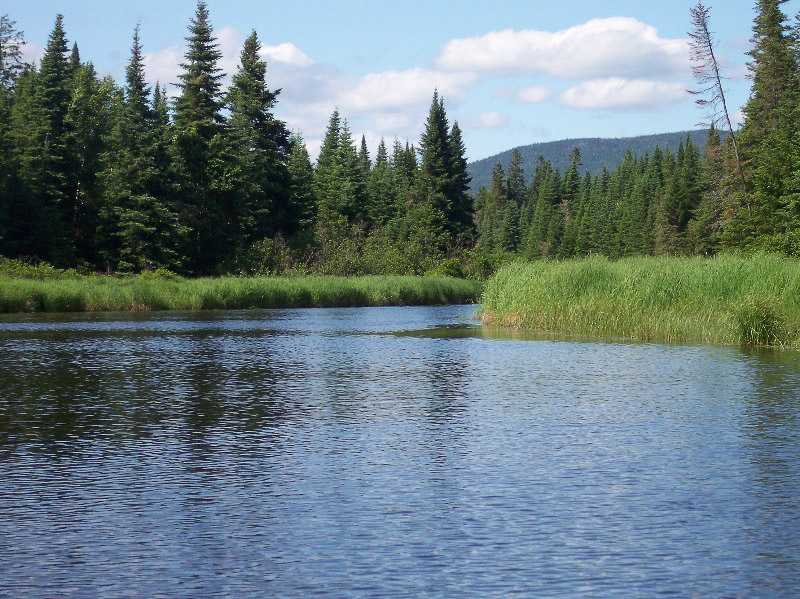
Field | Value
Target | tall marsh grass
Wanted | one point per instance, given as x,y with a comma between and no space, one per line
727,299
96,293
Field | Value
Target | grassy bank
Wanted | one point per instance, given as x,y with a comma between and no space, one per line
726,299
74,293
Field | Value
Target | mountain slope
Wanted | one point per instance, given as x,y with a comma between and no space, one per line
596,153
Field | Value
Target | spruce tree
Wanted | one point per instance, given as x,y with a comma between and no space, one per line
90,121
52,179
382,188
11,64
461,215
261,148
199,149
434,183
301,184
140,223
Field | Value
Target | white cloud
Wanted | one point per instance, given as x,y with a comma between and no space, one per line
533,94
388,103
286,53
617,93
31,53
164,66
402,89
490,120
617,46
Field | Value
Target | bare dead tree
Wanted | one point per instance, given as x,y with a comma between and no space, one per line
705,69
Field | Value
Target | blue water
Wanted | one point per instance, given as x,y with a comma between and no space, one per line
301,453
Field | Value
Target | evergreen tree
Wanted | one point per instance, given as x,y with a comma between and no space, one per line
301,183
140,224
382,188
11,42
199,149
52,171
11,64
90,121
461,210
261,149
435,182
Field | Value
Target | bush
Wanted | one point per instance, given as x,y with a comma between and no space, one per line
759,322
32,269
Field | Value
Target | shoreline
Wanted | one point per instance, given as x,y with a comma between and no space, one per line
149,293
725,300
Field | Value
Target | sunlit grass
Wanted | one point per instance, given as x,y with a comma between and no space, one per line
726,299
95,293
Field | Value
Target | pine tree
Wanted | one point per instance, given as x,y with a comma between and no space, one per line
140,224
435,183
53,181
11,64
339,183
382,188
461,217
90,121
199,149
301,183
11,42
261,148
771,69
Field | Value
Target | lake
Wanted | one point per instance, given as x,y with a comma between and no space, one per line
388,452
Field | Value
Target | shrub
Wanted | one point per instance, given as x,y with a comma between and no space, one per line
759,322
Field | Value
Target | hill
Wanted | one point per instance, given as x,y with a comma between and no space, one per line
596,153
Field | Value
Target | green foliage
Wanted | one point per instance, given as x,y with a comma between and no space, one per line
596,153
759,322
161,290
19,269
725,299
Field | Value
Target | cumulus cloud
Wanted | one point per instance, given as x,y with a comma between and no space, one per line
31,53
533,94
616,93
401,89
616,46
285,53
164,66
388,103
490,120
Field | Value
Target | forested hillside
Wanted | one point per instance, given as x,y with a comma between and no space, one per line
596,153
106,177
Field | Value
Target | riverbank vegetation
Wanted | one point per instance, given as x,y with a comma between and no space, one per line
24,288
726,299
121,179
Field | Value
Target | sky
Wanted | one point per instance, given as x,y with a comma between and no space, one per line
511,72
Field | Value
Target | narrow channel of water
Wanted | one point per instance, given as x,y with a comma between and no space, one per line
388,452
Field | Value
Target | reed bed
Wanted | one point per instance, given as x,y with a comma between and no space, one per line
99,293
728,299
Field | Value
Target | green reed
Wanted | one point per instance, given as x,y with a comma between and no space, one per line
727,299
100,293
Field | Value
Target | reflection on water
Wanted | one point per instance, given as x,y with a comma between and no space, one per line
388,451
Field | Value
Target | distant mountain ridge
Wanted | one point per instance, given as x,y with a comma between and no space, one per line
596,152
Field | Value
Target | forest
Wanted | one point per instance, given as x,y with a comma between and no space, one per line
101,177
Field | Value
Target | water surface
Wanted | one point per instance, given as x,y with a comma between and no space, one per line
388,452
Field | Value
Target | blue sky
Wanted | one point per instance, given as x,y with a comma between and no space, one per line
511,72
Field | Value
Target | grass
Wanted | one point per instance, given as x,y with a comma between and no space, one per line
74,293
733,300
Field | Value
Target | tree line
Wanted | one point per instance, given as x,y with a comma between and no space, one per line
682,203
124,178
